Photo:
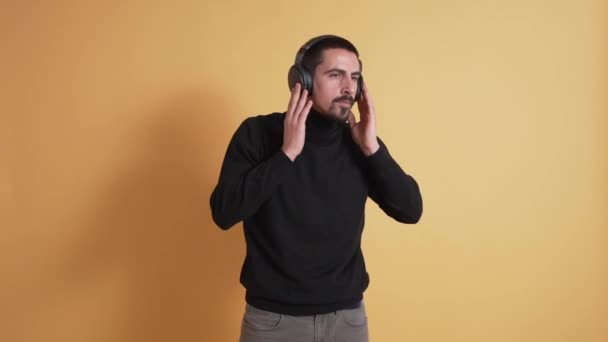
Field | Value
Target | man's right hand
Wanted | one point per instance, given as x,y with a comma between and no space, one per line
294,126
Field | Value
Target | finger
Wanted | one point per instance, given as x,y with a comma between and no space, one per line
366,106
293,100
366,94
305,111
362,104
301,103
365,88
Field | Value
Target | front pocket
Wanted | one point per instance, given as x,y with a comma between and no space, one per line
261,320
354,317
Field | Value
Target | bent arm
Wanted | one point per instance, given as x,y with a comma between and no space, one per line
396,192
246,180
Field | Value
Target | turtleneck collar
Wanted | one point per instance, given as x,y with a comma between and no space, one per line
322,129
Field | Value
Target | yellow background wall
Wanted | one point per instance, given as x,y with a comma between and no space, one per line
115,118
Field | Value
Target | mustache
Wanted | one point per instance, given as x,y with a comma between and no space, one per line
345,98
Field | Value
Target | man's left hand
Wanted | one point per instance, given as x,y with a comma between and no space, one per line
364,131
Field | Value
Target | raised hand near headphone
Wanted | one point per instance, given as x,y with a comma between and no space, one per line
294,126
364,131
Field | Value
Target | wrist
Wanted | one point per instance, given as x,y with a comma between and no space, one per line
290,154
369,149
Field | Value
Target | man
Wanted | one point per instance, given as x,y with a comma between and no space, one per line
299,181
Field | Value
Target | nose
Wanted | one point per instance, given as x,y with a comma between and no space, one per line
349,86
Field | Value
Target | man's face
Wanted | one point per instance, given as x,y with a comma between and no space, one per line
335,83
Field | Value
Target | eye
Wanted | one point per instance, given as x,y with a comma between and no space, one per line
334,75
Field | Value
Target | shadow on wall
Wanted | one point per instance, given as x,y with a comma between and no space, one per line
153,222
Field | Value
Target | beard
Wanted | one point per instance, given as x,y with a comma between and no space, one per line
340,111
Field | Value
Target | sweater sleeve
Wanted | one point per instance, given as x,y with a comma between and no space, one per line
246,179
396,192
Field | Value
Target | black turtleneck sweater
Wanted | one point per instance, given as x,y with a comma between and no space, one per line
303,220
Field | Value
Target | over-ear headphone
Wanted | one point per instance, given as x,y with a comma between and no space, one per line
298,73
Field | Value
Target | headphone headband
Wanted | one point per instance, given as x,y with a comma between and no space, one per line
309,44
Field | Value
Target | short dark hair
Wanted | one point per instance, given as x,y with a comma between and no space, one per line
314,55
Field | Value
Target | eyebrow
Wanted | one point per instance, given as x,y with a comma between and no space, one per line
342,71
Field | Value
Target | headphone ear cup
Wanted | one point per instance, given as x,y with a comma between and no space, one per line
359,88
294,76
307,77
297,74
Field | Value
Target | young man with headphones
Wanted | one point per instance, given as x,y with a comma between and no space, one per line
299,181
